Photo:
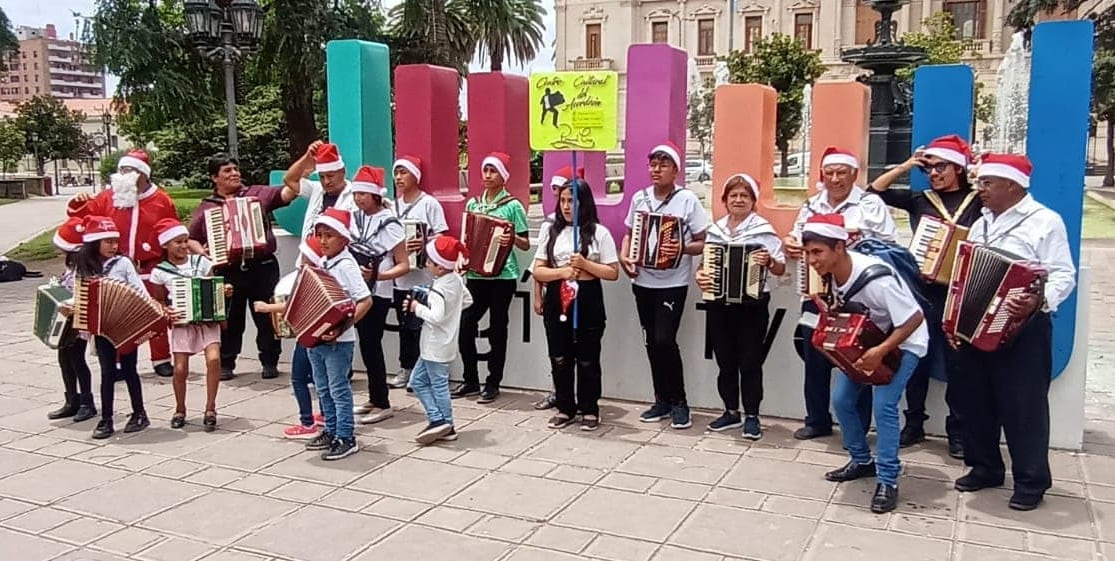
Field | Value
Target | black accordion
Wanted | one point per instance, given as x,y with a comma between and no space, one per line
735,275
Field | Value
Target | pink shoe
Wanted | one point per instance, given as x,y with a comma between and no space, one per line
319,419
299,432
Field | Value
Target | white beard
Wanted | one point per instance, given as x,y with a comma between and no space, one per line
125,193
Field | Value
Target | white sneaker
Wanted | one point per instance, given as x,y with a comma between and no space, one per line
399,380
363,408
376,415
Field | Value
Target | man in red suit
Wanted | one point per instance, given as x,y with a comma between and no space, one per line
135,204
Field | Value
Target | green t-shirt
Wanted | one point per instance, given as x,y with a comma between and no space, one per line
511,211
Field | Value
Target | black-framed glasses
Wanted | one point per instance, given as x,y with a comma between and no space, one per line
939,167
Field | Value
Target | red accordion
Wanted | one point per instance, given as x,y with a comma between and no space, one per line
649,230
983,278
483,236
236,230
844,337
118,312
317,305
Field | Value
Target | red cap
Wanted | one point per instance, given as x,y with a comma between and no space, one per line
1014,167
500,161
68,236
827,225
337,219
168,229
838,156
369,179
328,158
410,163
950,148
98,228
446,251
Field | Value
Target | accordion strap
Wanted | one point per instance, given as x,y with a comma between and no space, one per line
406,212
869,274
950,217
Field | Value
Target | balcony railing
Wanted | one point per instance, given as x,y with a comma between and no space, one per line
978,47
706,61
592,64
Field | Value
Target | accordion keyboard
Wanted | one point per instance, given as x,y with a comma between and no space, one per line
217,235
928,241
712,264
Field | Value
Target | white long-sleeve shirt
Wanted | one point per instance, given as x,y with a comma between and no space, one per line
122,269
442,316
862,211
1042,239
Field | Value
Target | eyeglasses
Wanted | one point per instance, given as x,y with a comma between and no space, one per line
939,167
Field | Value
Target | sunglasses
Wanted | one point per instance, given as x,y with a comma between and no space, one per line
939,167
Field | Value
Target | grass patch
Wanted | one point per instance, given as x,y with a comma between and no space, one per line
8,201
39,248
186,200
1099,221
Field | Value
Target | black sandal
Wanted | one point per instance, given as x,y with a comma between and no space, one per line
590,422
178,421
210,421
560,421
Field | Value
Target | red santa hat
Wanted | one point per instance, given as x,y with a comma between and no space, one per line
96,228
68,236
750,181
369,179
828,225
950,148
1015,167
446,251
565,175
328,158
500,161
837,156
137,160
411,164
168,229
337,219
310,248
670,149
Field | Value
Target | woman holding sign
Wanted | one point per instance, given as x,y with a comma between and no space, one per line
573,271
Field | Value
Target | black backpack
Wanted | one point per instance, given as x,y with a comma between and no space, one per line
14,270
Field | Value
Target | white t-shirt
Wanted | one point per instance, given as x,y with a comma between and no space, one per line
314,194
381,232
863,212
685,205
448,297
889,302
343,267
602,249
753,229
428,210
195,266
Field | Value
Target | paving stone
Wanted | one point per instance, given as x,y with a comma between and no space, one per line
564,539
219,517
621,549
176,549
625,514
991,535
627,482
776,477
577,450
679,490
576,474
503,528
133,498
672,553
301,492
30,548
670,463
257,484
480,460
449,518
517,495
1067,548
33,443
129,541
793,506
522,466
310,467
10,508
427,544
83,530
318,534
922,525
39,520
844,542
232,555
418,479
534,554
1063,515
969,552
398,509
57,479
175,469
347,499
216,476
716,529
860,516
243,451
66,449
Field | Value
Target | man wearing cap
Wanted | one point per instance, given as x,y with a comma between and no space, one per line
251,279
660,293
951,199
135,205
331,190
1009,387
865,215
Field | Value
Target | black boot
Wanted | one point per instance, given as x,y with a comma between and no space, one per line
911,434
86,410
69,409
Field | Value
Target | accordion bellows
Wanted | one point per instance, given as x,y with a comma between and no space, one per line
118,312
482,235
236,230
983,278
734,274
649,230
317,305
844,337
198,299
416,230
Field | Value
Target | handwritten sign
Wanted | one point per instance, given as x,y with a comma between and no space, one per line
573,110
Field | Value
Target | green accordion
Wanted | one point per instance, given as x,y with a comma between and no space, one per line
197,299
50,325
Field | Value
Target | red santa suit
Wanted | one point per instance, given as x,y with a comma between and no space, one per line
136,222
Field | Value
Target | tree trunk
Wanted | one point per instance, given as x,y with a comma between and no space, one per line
1109,175
783,147
298,109
496,55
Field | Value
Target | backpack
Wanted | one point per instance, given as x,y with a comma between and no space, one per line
14,270
902,261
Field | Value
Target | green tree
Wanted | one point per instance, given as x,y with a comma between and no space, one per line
1023,13
8,40
13,145
432,32
57,129
1103,85
506,29
938,37
785,64
700,114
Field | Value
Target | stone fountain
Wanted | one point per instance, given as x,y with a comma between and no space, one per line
890,98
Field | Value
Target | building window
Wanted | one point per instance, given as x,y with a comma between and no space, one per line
803,29
36,54
706,37
967,16
592,40
660,32
752,32
36,89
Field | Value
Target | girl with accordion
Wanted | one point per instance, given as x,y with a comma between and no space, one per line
99,257
574,272
738,329
71,349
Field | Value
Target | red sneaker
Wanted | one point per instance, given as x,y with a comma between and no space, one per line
319,419
299,432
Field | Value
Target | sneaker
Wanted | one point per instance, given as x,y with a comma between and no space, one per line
465,390
104,429
299,432
560,421
164,370
137,422
657,412
341,448
400,380
320,442
729,420
752,430
449,436
679,417
363,408
488,396
433,432
376,415
319,419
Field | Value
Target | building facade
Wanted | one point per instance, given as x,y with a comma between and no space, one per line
47,65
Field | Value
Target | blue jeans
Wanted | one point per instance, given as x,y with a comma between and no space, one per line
845,397
430,381
301,376
331,363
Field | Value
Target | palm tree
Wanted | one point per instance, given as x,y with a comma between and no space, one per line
506,29
432,32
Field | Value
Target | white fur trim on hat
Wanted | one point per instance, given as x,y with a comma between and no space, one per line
368,187
558,180
948,155
179,230
431,252
669,151
326,220
831,231
329,166
134,163
65,245
498,164
747,179
840,159
309,253
409,166
1006,172
92,237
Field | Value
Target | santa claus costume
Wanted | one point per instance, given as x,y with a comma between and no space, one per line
135,205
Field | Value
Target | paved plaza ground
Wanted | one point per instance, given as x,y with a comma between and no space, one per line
510,489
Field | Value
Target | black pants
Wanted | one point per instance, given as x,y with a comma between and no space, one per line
737,332
491,296
112,370
918,387
1008,390
410,332
575,356
370,331
256,283
76,377
818,384
660,317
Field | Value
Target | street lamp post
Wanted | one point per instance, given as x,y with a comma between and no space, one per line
35,151
225,30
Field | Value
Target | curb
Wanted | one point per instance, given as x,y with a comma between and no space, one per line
1100,199
8,250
